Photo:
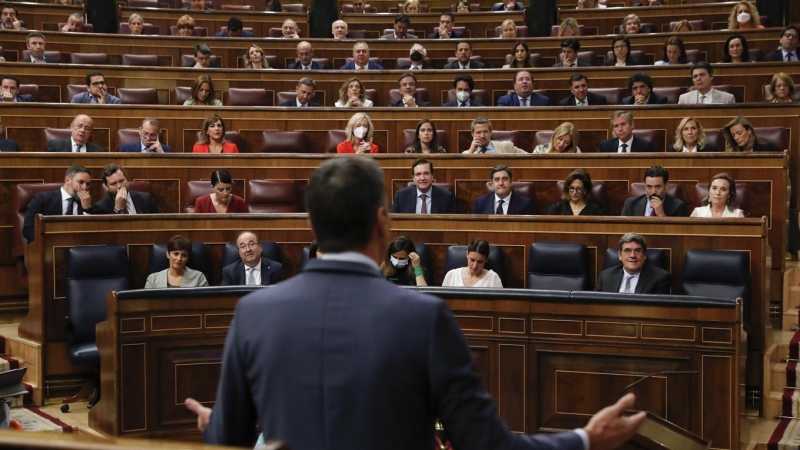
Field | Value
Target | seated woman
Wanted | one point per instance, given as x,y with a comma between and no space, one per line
185,25
568,28
411,7
254,58
463,6
674,52
202,93
425,139
358,136
721,199
736,50
590,4
683,26
520,56
352,95
136,24
631,24
576,197
221,200
401,264
740,137
744,16
508,29
177,275
782,88
212,137
690,138
474,275
621,47
563,140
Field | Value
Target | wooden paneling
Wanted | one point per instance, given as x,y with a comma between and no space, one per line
607,21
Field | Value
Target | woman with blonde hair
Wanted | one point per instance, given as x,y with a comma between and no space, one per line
569,27
721,199
690,137
202,93
683,26
744,16
185,25
508,29
254,58
631,24
740,137
358,136
563,140
352,95
411,7
136,24
781,88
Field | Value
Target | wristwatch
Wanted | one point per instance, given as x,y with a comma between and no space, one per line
117,211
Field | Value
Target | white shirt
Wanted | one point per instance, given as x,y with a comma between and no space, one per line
299,105
634,281
361,67
629,143
584,101
427,200
83,147
256,273
706,98
505,202
65,203
489,148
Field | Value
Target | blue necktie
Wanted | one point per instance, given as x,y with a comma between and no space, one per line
499,207
70,206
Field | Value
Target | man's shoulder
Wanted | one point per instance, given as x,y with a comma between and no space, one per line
438,191
80,97
292,102
131,147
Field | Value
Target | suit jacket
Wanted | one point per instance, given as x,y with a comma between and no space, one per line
635,207
502,7
297,65
293,103
426,64
562,208
46,60
594,99
454,35
191,278
504,147
65,146
86,97
371,66
454,104
323,381
224,33
136,147
519,205
707,148
513,100
391,36
234,274
405,201
652,280
637,146
654,99
46,204
691,97
472,65
400,103
777,55
142,201
579,62
8,145
25,98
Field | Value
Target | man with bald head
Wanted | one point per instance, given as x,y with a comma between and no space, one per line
419,59
304,61
81,131
252,268
361,59
339,30
74,23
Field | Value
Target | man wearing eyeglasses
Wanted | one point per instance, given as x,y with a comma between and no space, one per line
149,141
503,200
252,268
121,199
96,91
788,50
81,131
305,61
634,276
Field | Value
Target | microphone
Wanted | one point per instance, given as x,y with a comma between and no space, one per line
663,372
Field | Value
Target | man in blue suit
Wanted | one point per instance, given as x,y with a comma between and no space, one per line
9,90
305,61
34,42
625,142
464,85
251,269
235,28
503,200
121,199
149,139
71,199
408,92
361,59
523,94
641,86
423,197
445,29
305,92
339,358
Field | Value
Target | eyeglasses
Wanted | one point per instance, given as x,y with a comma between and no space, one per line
790,36
248,245
575,189
635,251
99,83
149,135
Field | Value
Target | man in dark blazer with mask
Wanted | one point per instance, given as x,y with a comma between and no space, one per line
251,268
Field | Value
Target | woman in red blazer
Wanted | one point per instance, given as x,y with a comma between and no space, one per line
221,200
359,136
212,138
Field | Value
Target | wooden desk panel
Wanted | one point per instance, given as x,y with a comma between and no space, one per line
608,21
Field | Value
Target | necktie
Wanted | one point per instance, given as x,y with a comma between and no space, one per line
499,207
306,68
78,148
361,68
789,56
462,104
424,208
624,148
70,207
482,150
524,101
702,99
652,212
251,278
627,289
581,103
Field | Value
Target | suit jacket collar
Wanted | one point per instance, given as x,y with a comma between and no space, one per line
343,267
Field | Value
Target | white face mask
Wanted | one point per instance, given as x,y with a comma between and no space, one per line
360,132
462,96
743,17
398,263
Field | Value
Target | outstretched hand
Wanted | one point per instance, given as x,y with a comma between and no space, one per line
608,429
203,413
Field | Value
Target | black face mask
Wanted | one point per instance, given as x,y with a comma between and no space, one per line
416,56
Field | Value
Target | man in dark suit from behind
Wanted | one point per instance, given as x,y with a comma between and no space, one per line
503,200
423,197
634,275
788,49
641,86
305,92
569,54
251,269
625,142
7,145
337,357
305,58
445,28
463,55
579,86
80,131
464,85
408,92
9,90
235,28
149,140
71,199
121,199
656,201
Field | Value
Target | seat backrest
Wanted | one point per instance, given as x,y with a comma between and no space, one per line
777,136
48,134
335,137
457,257
715,138
756,54
719,274
656,137
599,193
671,93
29,89
638,188
23,194
247,97
371,95
693,55
138,96
424,261
71,91
613,95
49,54
587,57
356,34
742,196
236,7
285,96
522,31
285,142
194,190
408,137
142,4
697,25
87,27
271,196
477,95
562,266
542,137
180,94
506,135
655,257
294,7
188,61
88,58
199,258
269,249
130,59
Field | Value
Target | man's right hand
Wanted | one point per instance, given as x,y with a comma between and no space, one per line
640,100
7,96
121,200
444,33
607,429
475,145
203,413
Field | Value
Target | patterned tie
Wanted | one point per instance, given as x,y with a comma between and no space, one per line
581,103
482,150
624,148
423,209
251,279
627,289
789,56
500,207
70,207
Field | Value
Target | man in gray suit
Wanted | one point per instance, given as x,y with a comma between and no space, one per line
340,379
96,91
704,93
81,131
401,24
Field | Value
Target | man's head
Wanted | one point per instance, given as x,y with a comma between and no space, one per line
8,14
655,182
640,83
202,55
75,23
305,90
523,84
464,52
289,28
9,83
35,44
622,124
81,128
569,49
408,84
702,76
417,54
115,178
447,20
579,86
632,250
346,203
235,26
358,6
422,170
401,24
96,84
249,248
481,129
305,53
197,5
789,39
361,53
77,178
501,180
149,130
339,29
464,82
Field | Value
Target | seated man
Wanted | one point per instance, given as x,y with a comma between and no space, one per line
641,86
634,276
481,129
149,139
788,48
9,90
423,197
401,24
463,55
202,57
305,92
96,91
361,59
235,28
509,5
502,200
445,28
81,131
72,199
305,55
418,56
704,93
464,85
8,18
523,94
359,7
252,269
569,54
656,201
408,91
197,5
7,145
34,42
625,141
289,29
121,199
579,86
74,23
339,30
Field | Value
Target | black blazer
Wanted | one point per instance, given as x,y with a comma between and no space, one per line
426,64
594,99
654,99
65,146
454,104
454,35
142,201
652,280
777,56
637,146
234,274
8,145
628,62
298,66
46,204
400,103
673,207
707,148
519,205
293,103
405,201
472,65
562,208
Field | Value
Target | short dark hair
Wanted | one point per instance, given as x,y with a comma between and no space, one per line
789,27
640,77
220,176
480,246
421,161
342,199
308,81
111,169
179,242
657,172
632,237
34,34
7,6
448,14
91,75
10,77
402,18
464,41
406,75
235,24
501,168
702,65
577,77
586,179
571,43
465,77
202,48
76,169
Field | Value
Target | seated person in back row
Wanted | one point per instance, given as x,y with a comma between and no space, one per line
579,87
235,28
177,275
482,142
251,269
74,23
148,139
655,201
634,275
503,200
523,94
423,197
463,58
408,90
80,133
625,141
9,90
71,199
641,86
121,199
96,91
